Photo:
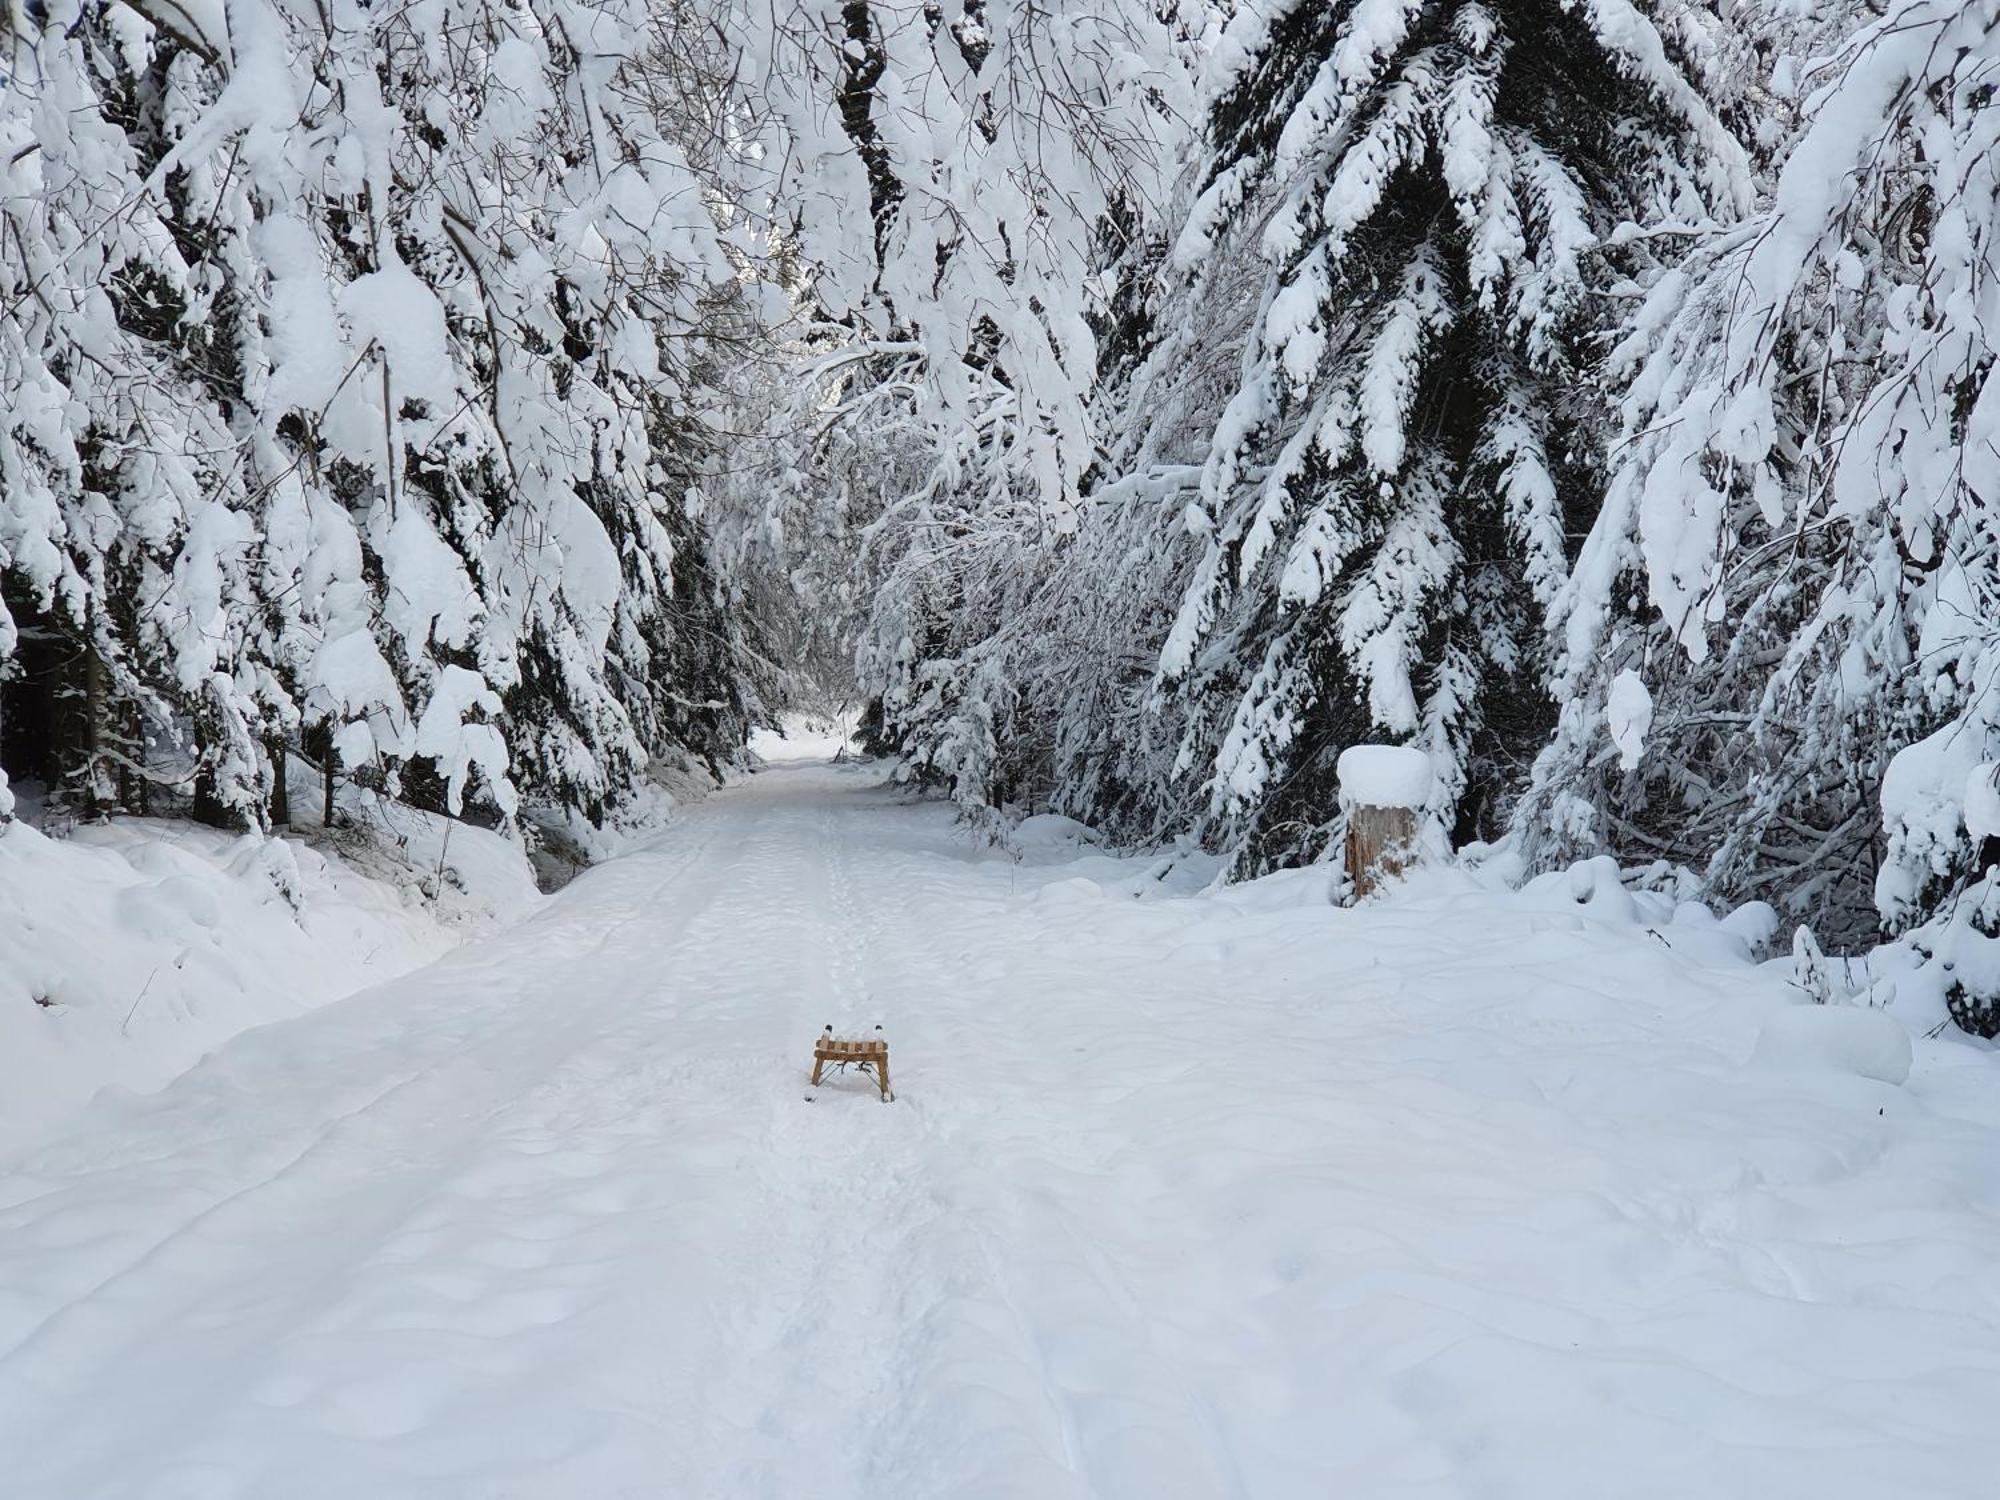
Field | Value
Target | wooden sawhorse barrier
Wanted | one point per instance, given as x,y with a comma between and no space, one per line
863,1052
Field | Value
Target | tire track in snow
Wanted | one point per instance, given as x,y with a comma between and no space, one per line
1098,1406
818,1315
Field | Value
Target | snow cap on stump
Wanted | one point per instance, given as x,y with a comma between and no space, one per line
1384,776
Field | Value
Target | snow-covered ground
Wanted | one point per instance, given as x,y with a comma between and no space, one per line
1467,1193
129,948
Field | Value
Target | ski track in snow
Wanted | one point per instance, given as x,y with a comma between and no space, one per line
1179,1198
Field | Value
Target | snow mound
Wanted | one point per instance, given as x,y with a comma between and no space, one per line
1053,831
1070,891
131,948
1836,1038
1755,923
1384,776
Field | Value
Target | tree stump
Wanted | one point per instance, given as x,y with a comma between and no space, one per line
1383,790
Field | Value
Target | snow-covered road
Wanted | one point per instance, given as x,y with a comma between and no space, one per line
1218,1197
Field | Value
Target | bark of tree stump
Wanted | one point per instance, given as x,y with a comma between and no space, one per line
1381,844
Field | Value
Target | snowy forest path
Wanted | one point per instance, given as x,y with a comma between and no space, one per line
1179,1199
577,1157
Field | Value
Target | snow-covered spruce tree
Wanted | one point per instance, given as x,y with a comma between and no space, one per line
1793,578
124,501
1436,187
520,261
381,330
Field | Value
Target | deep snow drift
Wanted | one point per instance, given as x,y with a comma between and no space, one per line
1467,1193
129,948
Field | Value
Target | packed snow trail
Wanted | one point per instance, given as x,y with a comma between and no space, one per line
1230,1196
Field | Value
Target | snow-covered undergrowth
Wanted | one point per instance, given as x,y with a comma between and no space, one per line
1188,1192
130,948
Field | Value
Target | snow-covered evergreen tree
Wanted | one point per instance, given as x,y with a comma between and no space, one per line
942,171
361,353
1796,551
1793,545
1439,191
124,518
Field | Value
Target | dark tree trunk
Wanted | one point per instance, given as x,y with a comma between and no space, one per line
281,789
318,745
206,806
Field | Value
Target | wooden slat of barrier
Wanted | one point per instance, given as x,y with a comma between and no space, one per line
845,1048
